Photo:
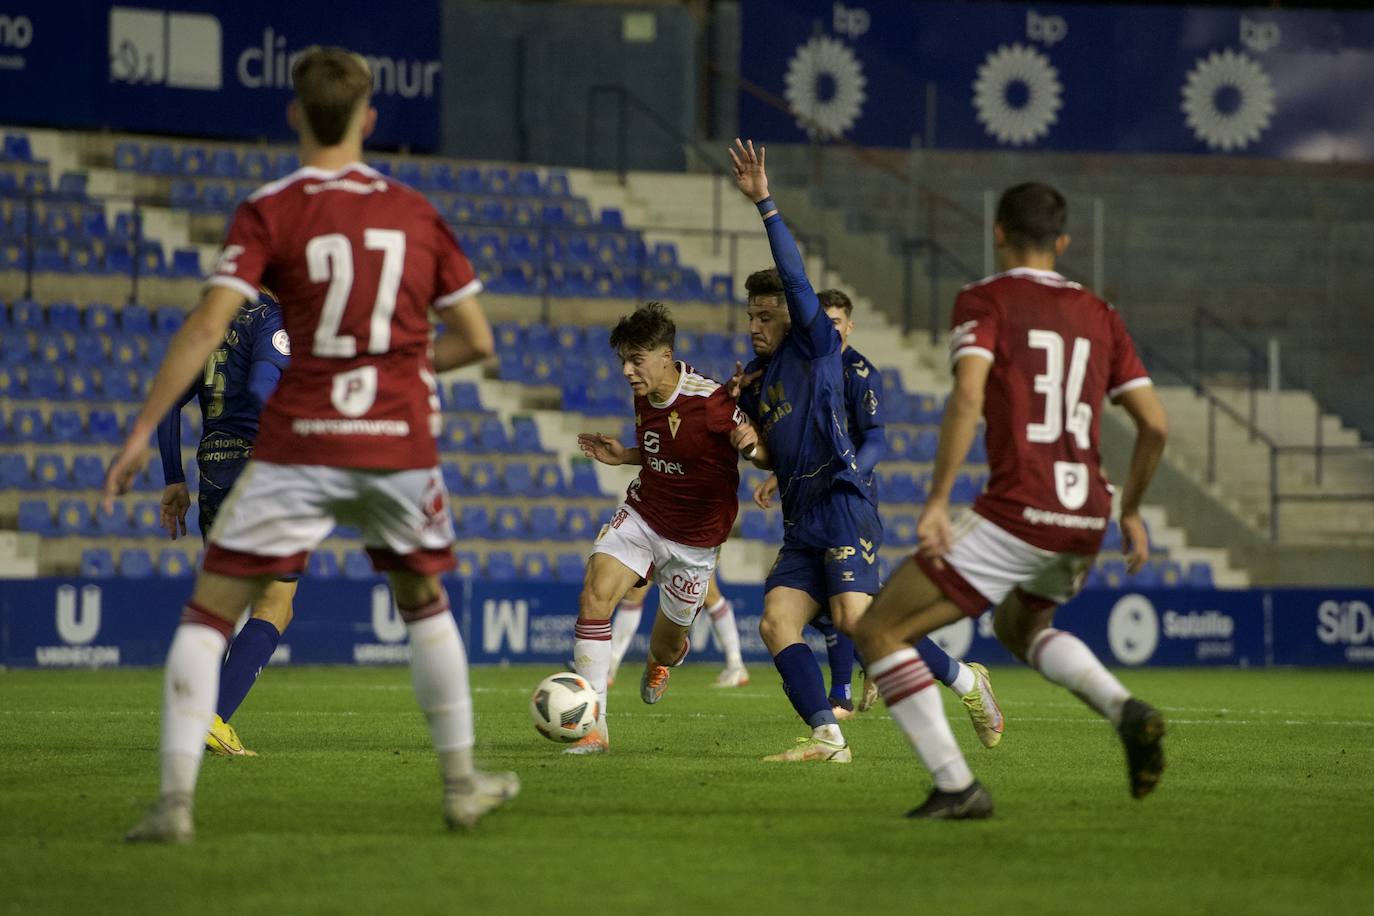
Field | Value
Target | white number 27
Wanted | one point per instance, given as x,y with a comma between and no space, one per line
330,257
1063,410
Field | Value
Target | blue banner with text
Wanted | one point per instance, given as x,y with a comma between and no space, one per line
209,68
65,623
1135,79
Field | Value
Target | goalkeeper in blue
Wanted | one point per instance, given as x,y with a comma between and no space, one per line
793,394
239,376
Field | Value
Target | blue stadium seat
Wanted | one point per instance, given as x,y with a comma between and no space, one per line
135,319
569,567
454,481
491,435
80,383
114,523
356,565
174,564
50,348
1113,573
224,163
88,472
26,425
99,317
501,566
1200,575
285,164
125,351
35,515
923,449
128,157
978,452
466,397
518,479
184,195
82,258
145,519
97,563
543,524
135,563
185,263
15,347
64,316
50,470
160,159
457,436
27,314
508,523
535,567
548,480
965,490
323,565
584,481
64,425
255,165
578,524
1171,574
90,349
14,473
468,564
94,224
1111,539
441,177
470,180
1147,577
473,523
482,478
166,320
754,525
194,160
150,258
901,530
119,383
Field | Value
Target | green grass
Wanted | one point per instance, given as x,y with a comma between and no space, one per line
1267,805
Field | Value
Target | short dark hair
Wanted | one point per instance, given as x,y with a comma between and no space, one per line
763,283
330,82
836,299
1032,216
649,327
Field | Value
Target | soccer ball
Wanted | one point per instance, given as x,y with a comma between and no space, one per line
564,707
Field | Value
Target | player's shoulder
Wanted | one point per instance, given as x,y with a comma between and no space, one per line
856,362
696,385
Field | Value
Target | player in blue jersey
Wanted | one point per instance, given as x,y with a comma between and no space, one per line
867,430
238,378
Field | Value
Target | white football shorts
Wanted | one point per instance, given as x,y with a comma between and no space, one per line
681,571
277,513
986,562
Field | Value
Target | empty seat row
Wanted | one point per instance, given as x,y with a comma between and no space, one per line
78,518
195,160
63,217
97,316
41,381
101,426
95,350
52,255
1111,574
521,479
85,472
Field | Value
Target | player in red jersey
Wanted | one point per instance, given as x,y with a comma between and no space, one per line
357,261
676,514
1036,355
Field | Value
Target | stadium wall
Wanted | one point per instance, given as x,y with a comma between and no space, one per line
83,623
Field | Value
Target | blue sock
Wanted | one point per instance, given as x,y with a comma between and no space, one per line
840,648
803,684
942,667
247,655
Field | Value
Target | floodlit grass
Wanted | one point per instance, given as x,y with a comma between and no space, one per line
1267,805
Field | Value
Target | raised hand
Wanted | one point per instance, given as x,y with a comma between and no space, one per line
750,176
601,448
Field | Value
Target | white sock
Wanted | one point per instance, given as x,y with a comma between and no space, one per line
1063,658
700,633
964,681
592,655
190,688
905,683
624,626
829,733
727,633
439,674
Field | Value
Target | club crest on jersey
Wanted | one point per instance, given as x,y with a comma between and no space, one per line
871,402
674,421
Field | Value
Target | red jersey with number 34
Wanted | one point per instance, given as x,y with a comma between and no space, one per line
357,261
1057,352
688,480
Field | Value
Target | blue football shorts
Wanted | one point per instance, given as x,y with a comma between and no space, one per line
831,549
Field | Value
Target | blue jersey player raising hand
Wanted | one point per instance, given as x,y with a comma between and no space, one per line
239,377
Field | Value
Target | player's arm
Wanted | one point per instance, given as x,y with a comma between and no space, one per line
873,429
176,498
466,337
202,332
957,429
746,440
802,304
271,354
608,450
1151,432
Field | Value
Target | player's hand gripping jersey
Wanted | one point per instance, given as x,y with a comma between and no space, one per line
687,486
798,403
1057,351
357,261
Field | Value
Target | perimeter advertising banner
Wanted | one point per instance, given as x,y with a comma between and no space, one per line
1135,79
84,623
206,68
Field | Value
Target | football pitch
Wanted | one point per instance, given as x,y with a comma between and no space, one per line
1267,805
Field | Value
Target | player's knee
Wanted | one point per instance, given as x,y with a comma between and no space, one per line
777,633
594,605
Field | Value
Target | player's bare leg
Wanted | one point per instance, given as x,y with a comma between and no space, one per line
439,674
606,582
908,608
785,612
189,689
272,609
721,614
668,646
1024,624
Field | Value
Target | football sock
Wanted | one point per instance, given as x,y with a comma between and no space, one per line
727,633
964,681
942,667
904,681
189,685
1063,658
592,655
624,625
803,684
840,650
248,653
439,675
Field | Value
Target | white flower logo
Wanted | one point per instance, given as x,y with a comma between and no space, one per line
1021,70
825,63
1236,74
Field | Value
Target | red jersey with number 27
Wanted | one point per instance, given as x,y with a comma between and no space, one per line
1057,352
357,261
688,480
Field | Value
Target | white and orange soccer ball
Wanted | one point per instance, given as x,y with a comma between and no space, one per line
564,707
